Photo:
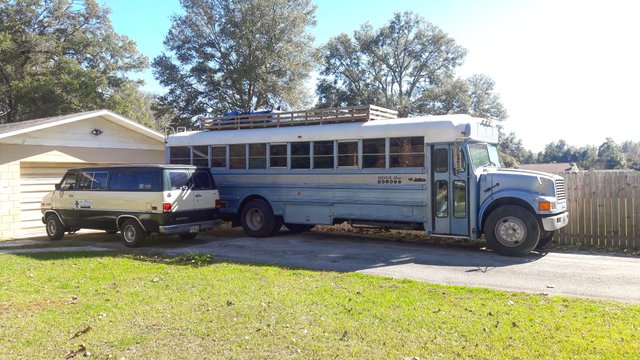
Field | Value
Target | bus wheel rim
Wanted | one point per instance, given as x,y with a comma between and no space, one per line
255,219
511,231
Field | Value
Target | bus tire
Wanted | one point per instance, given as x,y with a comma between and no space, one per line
298,228
545,238
277,226
55,229
512,230
257,218
133,235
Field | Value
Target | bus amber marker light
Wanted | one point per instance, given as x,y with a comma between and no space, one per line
544,206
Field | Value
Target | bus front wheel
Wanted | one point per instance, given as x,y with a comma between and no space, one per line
257,218
512,230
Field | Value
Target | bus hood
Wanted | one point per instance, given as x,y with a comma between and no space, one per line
530,185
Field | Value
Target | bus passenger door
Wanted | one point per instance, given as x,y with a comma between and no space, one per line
450,191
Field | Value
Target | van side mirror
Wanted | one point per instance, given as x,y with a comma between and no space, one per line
57,186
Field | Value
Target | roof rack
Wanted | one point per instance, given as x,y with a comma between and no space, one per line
362,113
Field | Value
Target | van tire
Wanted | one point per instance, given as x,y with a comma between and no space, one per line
55,229
257,218
512,230
298,228
187,236
133,235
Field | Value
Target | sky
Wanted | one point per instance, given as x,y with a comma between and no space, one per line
564,69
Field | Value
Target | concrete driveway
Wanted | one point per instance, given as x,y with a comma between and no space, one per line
557,273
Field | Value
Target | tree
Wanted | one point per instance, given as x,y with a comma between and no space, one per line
61,56
408,65
610,155
631,151
236,55
512,152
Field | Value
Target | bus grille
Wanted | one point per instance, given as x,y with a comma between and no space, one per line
561,192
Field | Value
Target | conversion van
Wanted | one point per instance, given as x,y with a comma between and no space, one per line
136,200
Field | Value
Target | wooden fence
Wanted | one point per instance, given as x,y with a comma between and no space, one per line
604,210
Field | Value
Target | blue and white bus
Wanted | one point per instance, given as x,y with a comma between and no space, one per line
440,174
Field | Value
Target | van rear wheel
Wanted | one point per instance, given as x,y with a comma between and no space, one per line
187,236
257,218
55,229
512,230
133,235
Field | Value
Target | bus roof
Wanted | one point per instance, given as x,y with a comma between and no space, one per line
435,129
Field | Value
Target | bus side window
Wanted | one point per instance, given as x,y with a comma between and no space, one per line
257,156
218,156
441,160
201,155
373,153
237,156
300,155
180,155
277,155
442,198
323,154
348,153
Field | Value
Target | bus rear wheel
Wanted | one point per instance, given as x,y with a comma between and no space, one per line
298,228
512,230
257,218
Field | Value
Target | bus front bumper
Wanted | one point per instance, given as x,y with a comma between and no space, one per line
555,222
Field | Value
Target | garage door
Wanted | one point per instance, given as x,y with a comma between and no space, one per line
36,180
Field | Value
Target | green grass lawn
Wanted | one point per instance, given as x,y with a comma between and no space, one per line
120,306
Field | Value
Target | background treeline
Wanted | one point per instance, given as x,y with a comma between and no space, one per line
608,156
64,56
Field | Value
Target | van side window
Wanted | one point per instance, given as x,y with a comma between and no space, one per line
202,181
93,180
178,179
69,182
125,180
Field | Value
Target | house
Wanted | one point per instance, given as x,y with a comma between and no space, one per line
35,154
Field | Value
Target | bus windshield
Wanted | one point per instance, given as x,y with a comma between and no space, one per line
484,155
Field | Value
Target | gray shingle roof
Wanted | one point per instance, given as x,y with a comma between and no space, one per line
21,125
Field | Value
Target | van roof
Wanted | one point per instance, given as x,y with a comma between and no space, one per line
140,166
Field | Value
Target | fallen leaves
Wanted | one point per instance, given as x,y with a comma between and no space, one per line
82,350
74,300
344,335
81,332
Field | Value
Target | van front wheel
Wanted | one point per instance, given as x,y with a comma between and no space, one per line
133,234
512,230
55,229
257,218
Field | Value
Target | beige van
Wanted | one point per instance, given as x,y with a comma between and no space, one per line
137,200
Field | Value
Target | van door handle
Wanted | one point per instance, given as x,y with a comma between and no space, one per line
70,195
198,195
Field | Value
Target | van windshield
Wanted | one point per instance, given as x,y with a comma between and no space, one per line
484,155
